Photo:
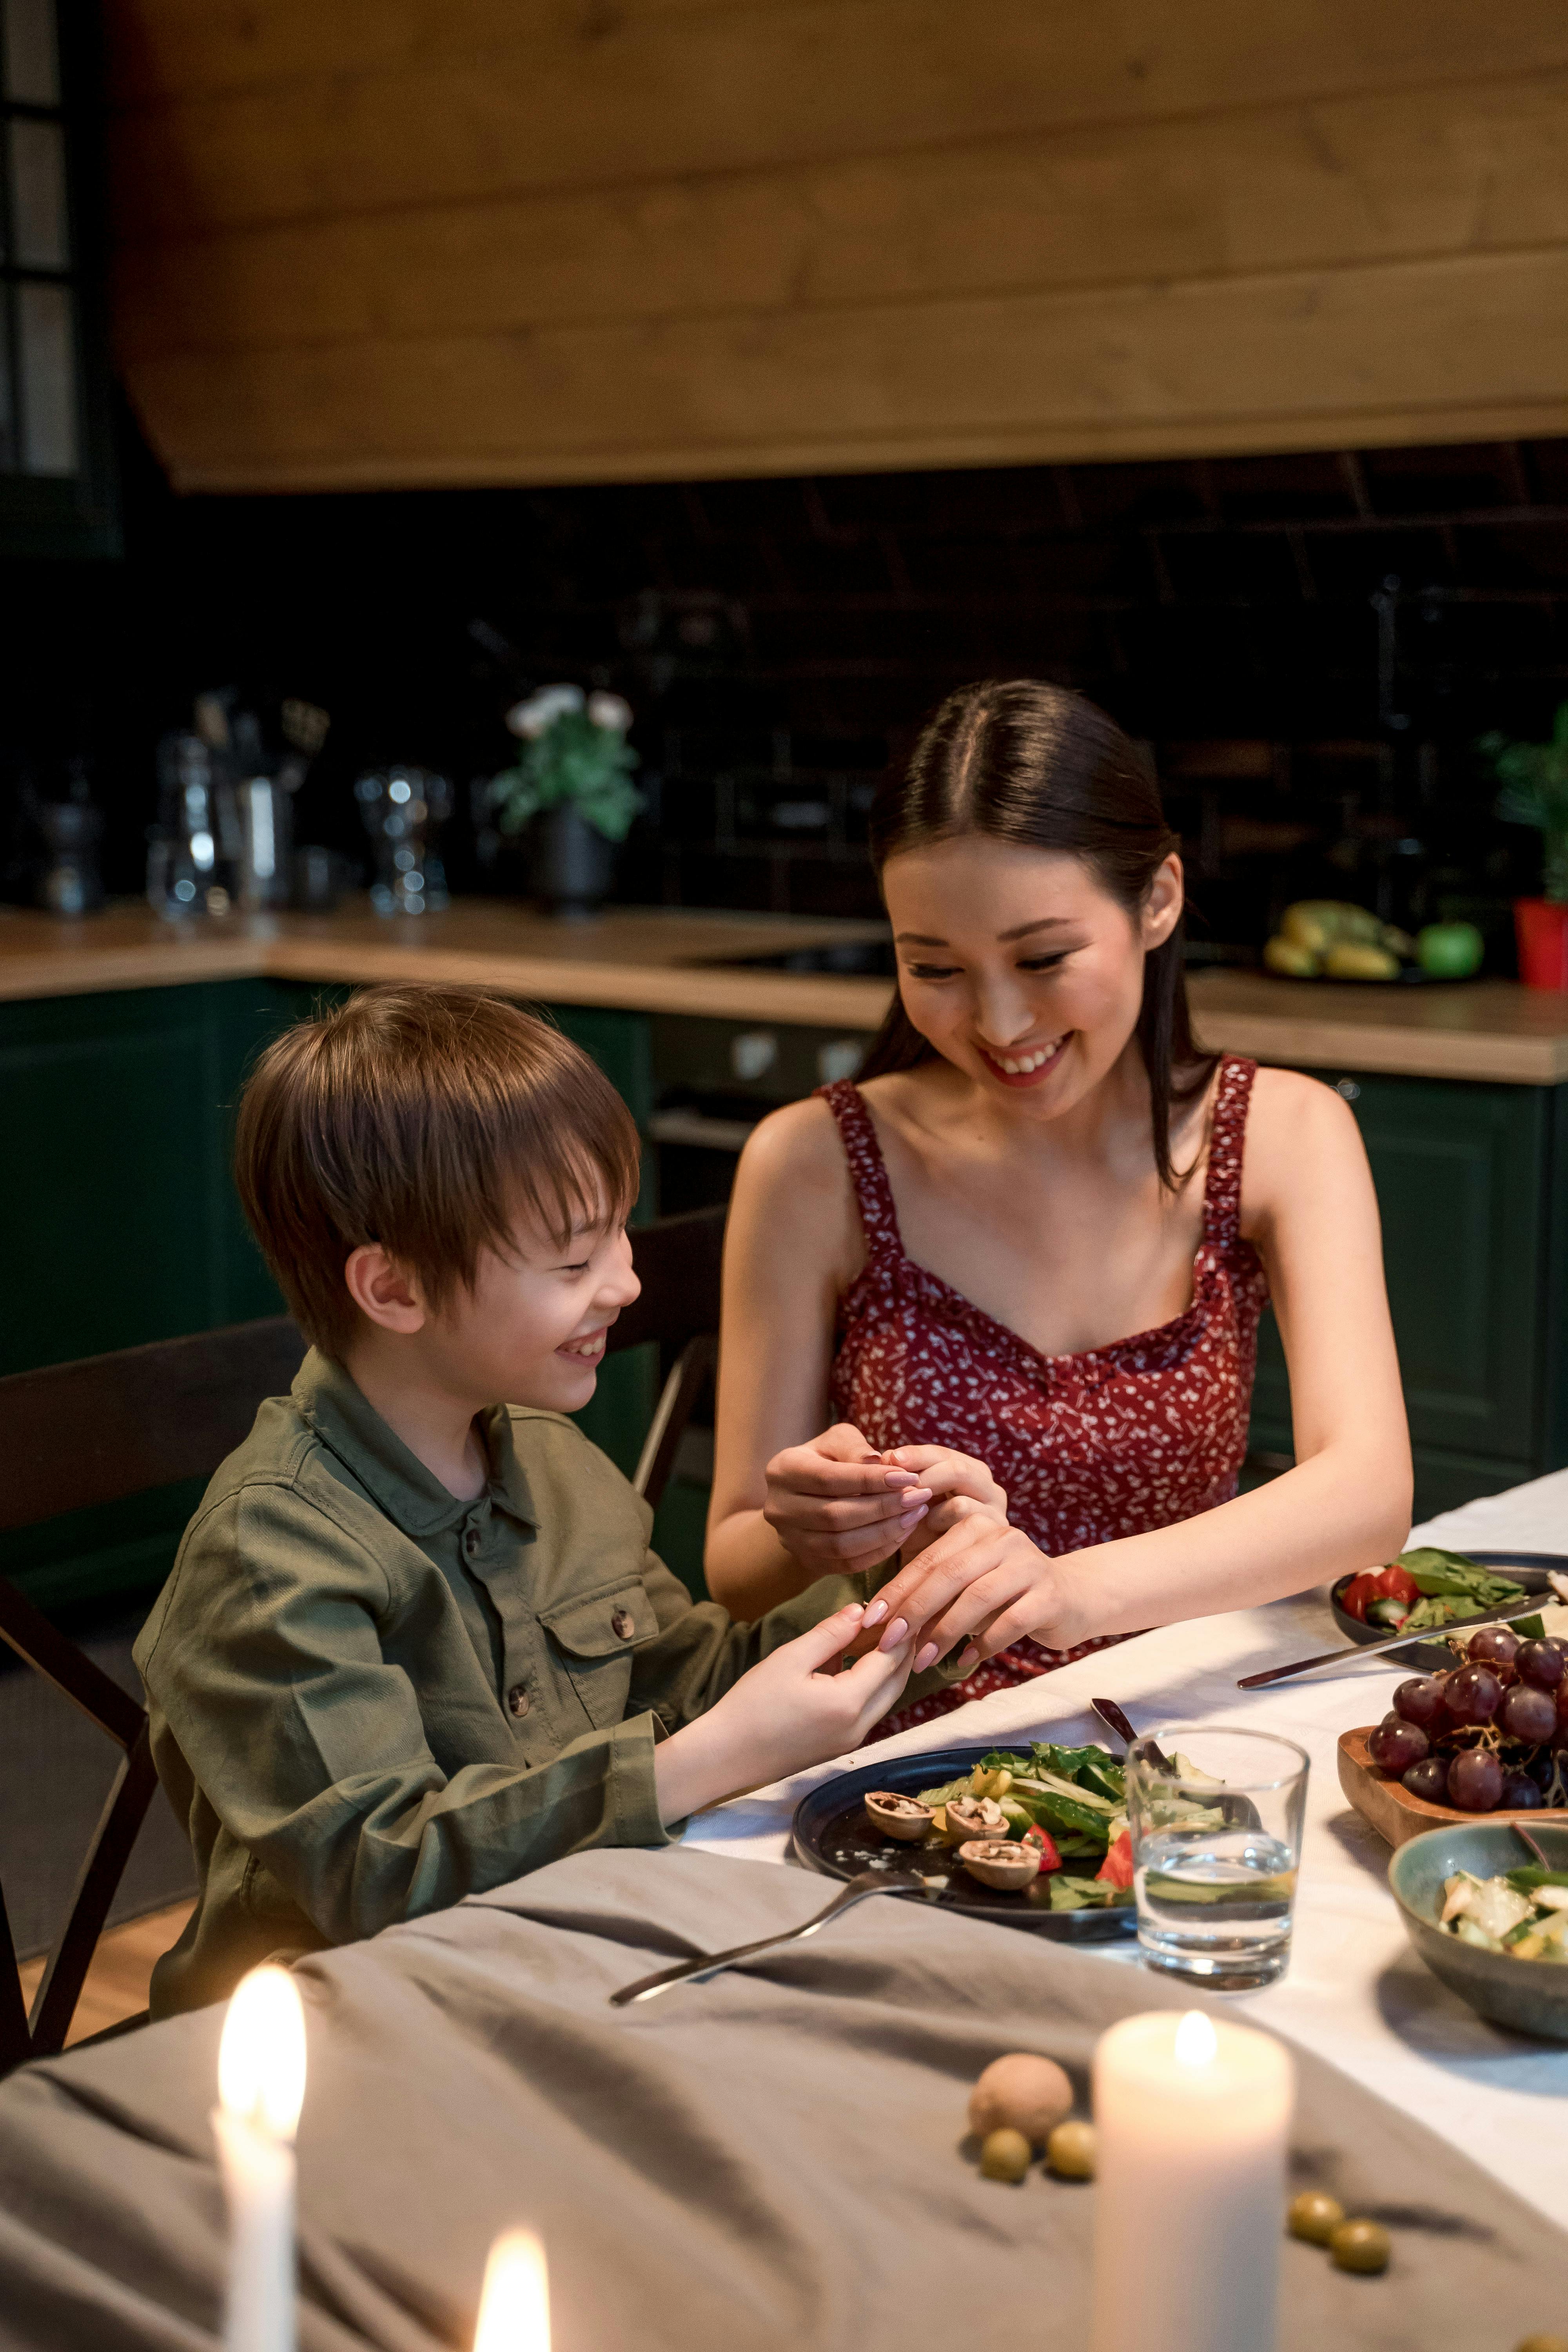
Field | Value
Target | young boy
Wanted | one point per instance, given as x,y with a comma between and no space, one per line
415,1642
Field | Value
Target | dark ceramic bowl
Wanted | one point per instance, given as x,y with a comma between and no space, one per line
1428,1652
1530,1995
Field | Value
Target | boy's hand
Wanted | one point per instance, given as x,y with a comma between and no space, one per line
836,1504
796,1707
982,1579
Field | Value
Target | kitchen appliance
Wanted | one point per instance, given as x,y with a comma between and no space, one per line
713,1080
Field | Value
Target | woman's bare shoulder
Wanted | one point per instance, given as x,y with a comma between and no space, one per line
799,1142
1297,1127
794,1190
1281,1099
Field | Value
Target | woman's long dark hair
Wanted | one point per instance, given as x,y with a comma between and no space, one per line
1039,766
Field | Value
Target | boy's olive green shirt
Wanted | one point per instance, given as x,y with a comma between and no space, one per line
370,1698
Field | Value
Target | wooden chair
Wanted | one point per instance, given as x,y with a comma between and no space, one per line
677,1260
109,1427
100,1431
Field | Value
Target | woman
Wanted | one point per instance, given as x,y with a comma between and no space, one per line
1020,1267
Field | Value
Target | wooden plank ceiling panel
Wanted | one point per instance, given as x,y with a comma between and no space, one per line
1422,350
368,242
731,90
1346,181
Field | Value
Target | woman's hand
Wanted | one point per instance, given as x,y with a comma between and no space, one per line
797,1706
947,1474
981,1580
838,1505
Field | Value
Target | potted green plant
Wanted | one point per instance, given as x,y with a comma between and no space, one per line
571,793
1534,780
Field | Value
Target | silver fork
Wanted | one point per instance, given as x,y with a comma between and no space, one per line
866,1882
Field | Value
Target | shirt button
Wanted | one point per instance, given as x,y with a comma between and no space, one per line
623,1624
517,1700
471,1541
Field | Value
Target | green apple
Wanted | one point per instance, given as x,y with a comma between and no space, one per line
1449,950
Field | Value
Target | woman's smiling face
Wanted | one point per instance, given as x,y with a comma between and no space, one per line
1020,967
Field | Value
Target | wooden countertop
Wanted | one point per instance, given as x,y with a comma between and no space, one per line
663,959
644,959
1492,1029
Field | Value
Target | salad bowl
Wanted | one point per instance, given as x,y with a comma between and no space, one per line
1530,1996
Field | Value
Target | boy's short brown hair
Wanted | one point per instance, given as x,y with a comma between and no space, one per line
423,1119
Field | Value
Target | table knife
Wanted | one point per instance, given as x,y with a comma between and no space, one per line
1395,1641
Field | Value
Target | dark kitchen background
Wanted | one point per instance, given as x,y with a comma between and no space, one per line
1309,643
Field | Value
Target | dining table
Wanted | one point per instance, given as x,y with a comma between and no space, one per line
776,2156
1355,1993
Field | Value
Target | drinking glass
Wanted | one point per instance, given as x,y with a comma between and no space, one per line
1215,1817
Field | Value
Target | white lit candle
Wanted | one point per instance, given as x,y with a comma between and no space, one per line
514,2309
261,2088
1192,2116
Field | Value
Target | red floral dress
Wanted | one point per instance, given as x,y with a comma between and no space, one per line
1111,1442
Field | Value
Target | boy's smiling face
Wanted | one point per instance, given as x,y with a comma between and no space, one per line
531,1330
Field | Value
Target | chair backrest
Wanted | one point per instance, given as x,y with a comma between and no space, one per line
108,1427
678,1261
100,1431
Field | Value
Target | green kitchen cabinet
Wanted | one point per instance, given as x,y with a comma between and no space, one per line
1469,1180
121,1223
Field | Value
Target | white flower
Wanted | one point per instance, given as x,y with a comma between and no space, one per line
609,710
541,711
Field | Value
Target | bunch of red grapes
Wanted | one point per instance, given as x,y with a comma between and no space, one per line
1485,1734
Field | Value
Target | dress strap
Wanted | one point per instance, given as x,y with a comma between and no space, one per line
1227,1145
867,1169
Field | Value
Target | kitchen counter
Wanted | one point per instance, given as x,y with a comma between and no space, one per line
668,960
638,959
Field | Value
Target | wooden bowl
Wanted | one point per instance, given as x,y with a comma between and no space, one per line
1395,1813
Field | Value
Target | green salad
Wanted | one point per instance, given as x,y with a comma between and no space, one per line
1073,1802
1523,1913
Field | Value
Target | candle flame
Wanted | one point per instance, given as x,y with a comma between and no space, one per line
514,2309
261,2057
1196,2042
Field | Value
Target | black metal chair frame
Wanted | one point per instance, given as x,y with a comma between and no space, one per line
108,1427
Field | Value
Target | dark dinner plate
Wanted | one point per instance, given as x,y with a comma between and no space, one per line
1430,1651
833,1833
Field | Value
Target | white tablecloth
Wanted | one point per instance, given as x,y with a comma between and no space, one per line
1356,1992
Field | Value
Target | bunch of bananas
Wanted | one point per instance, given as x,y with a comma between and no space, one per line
1325,938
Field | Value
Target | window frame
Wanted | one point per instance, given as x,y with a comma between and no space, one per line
68,514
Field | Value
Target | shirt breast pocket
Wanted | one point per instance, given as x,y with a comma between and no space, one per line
594,1636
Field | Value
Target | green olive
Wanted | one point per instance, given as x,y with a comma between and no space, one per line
1005,2155
1360,2246
1314,2216
1071,2151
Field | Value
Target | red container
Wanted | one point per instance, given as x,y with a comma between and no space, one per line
1540,926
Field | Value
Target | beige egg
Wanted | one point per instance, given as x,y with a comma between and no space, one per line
1021,2092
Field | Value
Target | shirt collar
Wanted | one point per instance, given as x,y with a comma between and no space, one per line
413,1497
